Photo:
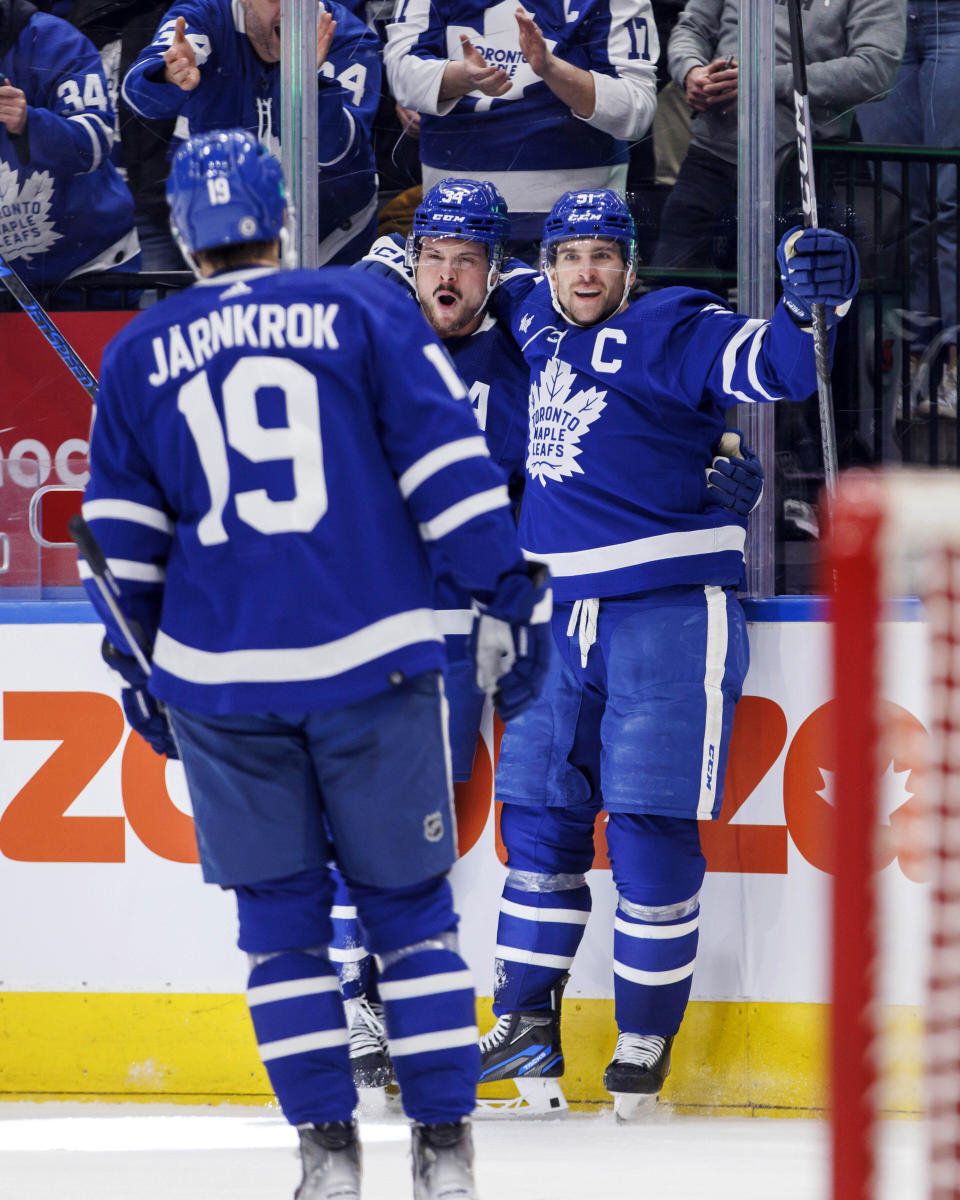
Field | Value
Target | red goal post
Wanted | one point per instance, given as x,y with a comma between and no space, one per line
879,521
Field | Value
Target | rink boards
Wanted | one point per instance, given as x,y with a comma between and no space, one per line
119,972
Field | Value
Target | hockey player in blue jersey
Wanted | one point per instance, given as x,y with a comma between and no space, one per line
452,261
215,64
635,718
64,209
265,484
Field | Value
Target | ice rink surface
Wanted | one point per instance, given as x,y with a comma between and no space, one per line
158,1152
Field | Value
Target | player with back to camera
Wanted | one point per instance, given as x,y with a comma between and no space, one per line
627,397
265,485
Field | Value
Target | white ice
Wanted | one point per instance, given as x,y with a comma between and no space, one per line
160,1152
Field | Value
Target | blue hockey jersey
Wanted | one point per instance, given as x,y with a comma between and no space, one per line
496,378
63,207
238,90
264,482
527,142
622,418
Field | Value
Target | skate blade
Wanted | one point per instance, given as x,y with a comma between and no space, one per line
633,1106
541,1098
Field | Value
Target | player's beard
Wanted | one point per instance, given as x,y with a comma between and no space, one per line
449,328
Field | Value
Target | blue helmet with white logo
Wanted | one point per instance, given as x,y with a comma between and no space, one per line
224,189
470,209
601,214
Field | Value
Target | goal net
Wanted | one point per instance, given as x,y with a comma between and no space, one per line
894,533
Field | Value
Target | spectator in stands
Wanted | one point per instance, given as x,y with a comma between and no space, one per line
64,210
852,48
923,109
214,63
120,29
535,107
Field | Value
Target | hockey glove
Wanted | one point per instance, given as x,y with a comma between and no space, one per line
511,640
817,266
736,474
144,714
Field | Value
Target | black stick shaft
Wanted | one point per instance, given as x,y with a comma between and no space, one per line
808,193
96,560
32,307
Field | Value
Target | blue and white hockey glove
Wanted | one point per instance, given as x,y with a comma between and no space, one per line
817,266
511,640
735,474
144,714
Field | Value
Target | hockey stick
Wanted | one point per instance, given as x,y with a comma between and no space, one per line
96,560
32,307
808,193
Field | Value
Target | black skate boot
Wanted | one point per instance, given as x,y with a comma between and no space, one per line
330,1154
443,1162
525,1047
369,1051
635,1076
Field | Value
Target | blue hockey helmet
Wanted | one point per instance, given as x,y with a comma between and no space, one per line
470,209
224,189
602,214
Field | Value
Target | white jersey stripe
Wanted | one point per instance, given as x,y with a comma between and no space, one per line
438,459
712,685
653,978
443,1039
125,568
755,347
562,916
730,353
656,932
455,620
304,1043
426,985
291,989
462,512
644,550
127,510
293,663
352,955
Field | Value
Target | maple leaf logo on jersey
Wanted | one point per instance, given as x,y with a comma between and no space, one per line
559,417
525,322
25,225
499,43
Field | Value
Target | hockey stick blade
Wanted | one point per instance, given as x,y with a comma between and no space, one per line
92,553
808,195
37,314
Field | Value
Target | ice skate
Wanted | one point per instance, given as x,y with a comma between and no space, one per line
525,1047
330,1154
635,1076
369,1051
443,1162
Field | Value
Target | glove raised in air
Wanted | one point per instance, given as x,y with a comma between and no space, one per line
735,474
144,714
817,266
511,640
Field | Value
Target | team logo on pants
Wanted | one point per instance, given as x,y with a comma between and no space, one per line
433,826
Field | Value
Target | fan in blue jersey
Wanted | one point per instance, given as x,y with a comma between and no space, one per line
627,399
215,64
64,210
265,484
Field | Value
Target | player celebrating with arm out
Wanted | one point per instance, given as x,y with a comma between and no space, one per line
254,446
635,717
